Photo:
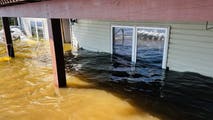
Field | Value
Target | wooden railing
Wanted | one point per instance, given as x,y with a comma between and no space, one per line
15,2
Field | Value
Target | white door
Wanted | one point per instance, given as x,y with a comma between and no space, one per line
144,45
152,44
123,41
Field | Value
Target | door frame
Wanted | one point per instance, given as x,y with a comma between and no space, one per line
134,42
133,39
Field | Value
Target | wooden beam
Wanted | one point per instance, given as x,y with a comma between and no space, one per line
57,52
15,2
9,42
119,10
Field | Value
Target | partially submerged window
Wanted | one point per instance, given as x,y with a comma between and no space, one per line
33,28
150,45
142,45
37,29
123,41
14,21
40,29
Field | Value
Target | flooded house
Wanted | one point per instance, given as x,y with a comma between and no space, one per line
152,59
34,27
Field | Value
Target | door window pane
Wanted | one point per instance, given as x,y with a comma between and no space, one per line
37,28
122,42
33,28
40,29
150,45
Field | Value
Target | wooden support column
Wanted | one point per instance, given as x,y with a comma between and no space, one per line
8,38
56,46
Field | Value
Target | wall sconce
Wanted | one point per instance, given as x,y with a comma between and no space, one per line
73,21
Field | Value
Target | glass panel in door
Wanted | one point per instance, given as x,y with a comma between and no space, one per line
33,28
123,42
150,46
40,29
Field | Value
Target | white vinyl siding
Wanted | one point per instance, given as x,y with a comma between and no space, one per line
191,49
190,44
92,35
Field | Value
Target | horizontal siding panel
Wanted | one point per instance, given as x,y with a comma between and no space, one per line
192,38
97,32
197,50
181,63
189,26
200,42
191,48
200,60
192,44
93,26
185,67
141,24
89,29
93,22
109,23
92,35
196,33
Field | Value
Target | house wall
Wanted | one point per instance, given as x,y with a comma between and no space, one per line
65,30
25,25
92,35
190,46
46,33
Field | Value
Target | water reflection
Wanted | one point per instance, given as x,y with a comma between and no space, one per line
165,94
123,41
150,45
100,86
27,91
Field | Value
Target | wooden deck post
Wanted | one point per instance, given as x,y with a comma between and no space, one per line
57,52
8,38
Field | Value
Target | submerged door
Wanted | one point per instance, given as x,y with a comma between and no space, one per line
151,46
122,37
141,45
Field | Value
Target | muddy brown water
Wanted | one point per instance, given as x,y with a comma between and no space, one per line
100,87
169,95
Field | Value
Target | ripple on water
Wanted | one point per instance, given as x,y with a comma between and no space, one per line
27,91
166,94
100,86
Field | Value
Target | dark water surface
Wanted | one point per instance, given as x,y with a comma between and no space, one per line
168,95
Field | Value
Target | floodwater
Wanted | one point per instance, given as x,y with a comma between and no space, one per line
167,95
100,87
